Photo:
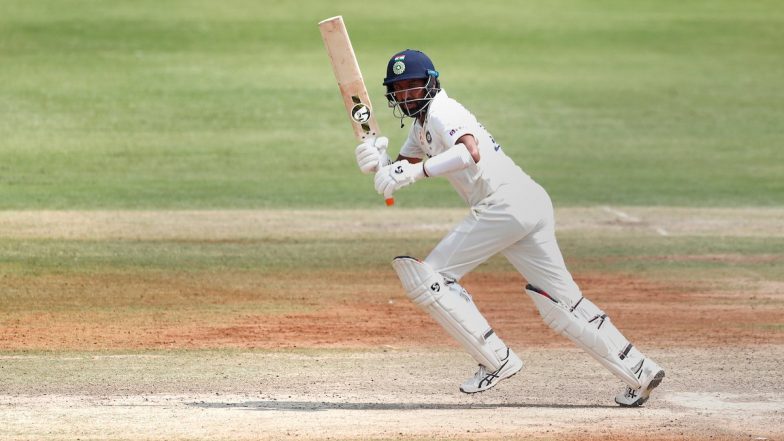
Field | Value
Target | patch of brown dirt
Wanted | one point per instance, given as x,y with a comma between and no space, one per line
648,312
343,310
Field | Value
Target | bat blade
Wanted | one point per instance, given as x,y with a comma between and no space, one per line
349,77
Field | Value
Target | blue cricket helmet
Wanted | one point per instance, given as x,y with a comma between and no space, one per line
408,65
411,64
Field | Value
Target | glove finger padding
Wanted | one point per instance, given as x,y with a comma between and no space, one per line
368,157
381,143
389,190
383,180
397,175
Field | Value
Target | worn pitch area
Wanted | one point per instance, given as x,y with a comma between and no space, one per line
147,349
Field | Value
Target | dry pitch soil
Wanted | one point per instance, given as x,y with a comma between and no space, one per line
370,365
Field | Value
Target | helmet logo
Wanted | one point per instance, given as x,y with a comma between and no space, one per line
360,113
399,67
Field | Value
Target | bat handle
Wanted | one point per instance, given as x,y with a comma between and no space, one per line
382,162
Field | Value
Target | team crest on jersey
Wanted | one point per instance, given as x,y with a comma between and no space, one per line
399,67
428,137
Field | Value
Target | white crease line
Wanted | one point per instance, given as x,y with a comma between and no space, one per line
620,214
662,231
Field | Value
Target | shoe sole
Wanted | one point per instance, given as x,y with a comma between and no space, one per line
657,379
492,385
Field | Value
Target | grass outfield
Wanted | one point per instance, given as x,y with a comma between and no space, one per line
183,104
657,241
761,257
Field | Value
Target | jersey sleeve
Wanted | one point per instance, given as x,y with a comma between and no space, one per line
411,148
453,122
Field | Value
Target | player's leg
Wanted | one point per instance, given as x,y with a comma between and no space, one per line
433,285
563,307
453,308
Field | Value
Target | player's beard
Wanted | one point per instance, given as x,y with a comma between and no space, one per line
417,105
415,109
412,108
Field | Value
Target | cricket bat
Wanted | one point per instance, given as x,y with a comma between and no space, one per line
349,78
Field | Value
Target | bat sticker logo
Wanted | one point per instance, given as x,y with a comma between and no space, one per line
360,113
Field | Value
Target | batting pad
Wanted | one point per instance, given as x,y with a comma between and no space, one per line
590,329
452,307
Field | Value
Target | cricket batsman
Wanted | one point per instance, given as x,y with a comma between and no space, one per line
510,214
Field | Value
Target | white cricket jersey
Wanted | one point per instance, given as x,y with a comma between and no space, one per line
446,121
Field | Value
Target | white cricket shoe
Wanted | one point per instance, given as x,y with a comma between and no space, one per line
483,379
650,375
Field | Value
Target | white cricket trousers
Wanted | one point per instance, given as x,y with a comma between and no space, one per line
518,221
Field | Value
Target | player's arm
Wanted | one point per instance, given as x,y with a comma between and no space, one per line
408,169
469,142
405,172
409,159
462,155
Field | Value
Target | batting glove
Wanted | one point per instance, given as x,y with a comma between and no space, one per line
393,177
371,153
